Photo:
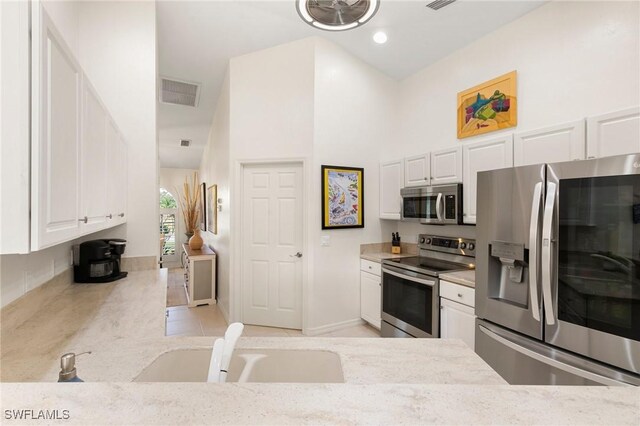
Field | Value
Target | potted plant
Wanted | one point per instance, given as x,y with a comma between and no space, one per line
190,206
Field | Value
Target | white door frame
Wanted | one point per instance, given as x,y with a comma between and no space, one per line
235,281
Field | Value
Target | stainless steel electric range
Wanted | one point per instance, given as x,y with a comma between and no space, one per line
410,285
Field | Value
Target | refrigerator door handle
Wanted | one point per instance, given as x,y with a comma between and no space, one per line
534,227
581,372
547,252
439,206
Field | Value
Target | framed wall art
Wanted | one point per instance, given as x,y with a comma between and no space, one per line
488,107
342,197
212,209
203,203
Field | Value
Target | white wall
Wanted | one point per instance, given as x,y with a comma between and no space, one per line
117,46
215,169
354,117
312,101
574,59
271,117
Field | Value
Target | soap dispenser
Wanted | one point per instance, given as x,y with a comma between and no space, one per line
68,371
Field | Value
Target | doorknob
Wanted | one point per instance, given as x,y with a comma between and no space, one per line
298,255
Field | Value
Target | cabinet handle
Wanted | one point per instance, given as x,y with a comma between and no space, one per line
121,215
459,294
110,216
84,220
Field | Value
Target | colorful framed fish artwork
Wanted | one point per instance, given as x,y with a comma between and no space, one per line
488,107
342,197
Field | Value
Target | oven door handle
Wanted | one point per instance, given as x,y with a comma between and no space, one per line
439,207
407,277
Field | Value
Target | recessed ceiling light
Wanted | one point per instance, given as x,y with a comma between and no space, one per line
380,37
337,15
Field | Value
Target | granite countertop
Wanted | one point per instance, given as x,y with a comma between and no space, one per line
294,404
77,318
466,278
386,380
380,256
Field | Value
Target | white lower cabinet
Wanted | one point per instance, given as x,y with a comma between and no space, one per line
457,313
370,293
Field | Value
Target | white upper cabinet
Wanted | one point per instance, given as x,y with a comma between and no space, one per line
116,161
480,156
56,115
391,182
15,117
417,170
615,133
564,142
94,162
446,166
78,155
121,200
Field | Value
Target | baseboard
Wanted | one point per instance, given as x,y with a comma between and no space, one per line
333,327
223,311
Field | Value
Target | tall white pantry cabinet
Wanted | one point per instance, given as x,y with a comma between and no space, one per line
61,144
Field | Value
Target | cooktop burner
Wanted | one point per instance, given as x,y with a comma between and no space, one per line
427,265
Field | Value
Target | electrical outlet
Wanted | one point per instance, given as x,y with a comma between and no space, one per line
325,241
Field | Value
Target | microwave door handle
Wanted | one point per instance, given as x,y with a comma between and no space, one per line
534,228
547,252
439,206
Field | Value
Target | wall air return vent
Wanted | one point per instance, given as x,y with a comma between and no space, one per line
439,4
185,142
179,92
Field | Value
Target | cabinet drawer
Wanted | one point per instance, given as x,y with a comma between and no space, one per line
370,267
458,293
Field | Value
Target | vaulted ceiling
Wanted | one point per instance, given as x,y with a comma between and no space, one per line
196,39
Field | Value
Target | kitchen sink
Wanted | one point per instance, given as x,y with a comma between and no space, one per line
248,366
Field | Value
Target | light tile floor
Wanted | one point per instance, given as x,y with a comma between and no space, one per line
208,321
175,287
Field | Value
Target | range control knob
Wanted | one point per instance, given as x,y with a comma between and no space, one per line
463,246
422,240
472,246
428,241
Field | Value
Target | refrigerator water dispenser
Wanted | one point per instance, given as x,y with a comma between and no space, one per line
508,272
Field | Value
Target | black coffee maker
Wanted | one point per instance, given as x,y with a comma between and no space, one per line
98,261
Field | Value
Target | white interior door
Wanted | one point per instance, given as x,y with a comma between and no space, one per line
272,245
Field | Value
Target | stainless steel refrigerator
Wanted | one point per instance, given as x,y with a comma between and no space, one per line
558,272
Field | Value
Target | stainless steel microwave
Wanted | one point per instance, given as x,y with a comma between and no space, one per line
439,205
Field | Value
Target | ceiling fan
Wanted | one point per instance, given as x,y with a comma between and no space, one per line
337,15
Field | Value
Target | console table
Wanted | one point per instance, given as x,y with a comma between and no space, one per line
200,275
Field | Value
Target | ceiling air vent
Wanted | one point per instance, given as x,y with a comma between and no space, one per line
179,92
439,4
185,142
